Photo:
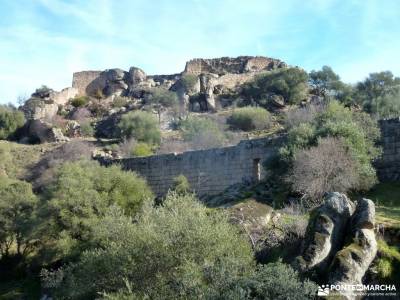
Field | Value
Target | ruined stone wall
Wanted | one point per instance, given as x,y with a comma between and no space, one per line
388,166
86,82
62,97
208,171
224,65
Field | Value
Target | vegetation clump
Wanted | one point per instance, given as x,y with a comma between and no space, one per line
142,126
10,120
250,118
355,133
202,133
289,83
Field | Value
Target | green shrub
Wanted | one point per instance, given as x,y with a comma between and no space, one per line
202,132
79,101
142,126
189,81
250,118
181,185
271,281
290,83
120,101
81,193
357,131
142,149
17,217
388,262
177,250
10,120
87,129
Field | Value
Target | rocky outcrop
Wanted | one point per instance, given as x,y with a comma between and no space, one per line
351,263
42,132
340,241
39,109
215,77
325,232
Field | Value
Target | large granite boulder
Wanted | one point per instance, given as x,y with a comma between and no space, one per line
115,82
136,76
351,263
340,242
325,232
207,83
42,132
39,109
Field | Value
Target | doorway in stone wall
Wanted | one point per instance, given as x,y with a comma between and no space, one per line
256,169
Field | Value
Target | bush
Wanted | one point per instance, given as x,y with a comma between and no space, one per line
142,126
189,81
202,133
160,99
81,193
10,120
250,118
79,101
290,83
388,262
17,217
177,250
278,281
120,101
327,167
87,128
296,116
181,185
43,172
142,149
358,134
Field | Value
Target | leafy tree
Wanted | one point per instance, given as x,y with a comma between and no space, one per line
326,83
323,81
81,193
386,106
140,125
176,251
290,83
17,216
160,99
10,120
376,86
250,118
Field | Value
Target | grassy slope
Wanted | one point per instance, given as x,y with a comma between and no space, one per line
387,199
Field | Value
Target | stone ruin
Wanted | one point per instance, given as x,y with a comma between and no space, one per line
214,77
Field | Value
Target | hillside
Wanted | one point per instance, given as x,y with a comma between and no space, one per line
225,181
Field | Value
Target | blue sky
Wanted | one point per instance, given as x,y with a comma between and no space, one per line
45,41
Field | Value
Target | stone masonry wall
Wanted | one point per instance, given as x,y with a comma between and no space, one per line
388,166
208,171
86,82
